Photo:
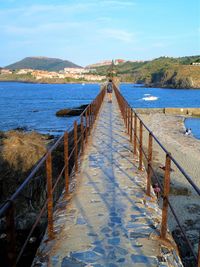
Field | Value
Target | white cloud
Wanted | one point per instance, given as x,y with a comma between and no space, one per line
42,9
45,28
117,34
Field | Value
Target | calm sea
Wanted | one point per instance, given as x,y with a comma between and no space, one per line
142,97
33,106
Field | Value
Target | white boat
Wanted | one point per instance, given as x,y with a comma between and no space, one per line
150,98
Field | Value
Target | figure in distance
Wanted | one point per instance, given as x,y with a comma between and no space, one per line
109,90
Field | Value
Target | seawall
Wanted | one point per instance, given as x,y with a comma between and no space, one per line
173,111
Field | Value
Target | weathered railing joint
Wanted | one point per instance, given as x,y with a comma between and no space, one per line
11,235
140,147
75,146
66,160
49,195
165,197
135,135
149,167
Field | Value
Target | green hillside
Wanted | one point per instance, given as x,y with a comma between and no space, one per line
42,63
162,72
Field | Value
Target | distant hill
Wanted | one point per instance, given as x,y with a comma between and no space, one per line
160,72
42,63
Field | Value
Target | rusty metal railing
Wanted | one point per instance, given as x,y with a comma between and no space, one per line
133,122
7,210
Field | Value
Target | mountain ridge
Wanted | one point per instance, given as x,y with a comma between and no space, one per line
42,63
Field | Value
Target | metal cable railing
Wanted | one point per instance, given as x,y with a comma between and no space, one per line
80,138
131,124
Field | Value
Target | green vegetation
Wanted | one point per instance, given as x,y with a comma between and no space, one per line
20,78
28,78
162,72
42,63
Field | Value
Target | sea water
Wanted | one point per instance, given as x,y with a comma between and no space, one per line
139,96
34,106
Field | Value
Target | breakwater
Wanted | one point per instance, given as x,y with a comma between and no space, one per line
171,111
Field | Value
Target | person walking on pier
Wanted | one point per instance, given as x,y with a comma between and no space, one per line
109,90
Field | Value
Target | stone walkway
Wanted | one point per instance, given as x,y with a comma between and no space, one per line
109,221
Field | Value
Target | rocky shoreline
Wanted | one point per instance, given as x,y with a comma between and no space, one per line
19,152
169,129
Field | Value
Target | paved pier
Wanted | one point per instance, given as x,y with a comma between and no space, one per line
108,221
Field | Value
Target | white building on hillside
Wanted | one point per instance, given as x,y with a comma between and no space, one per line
75,70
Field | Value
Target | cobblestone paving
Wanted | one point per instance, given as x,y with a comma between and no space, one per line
109,221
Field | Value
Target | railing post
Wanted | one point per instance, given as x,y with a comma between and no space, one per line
122,110
89,118
131,130
125,112
140,150
49,195
75,147
129,120
126,117
82,135
165,197
92,114
95,109
86,126
66,158
135,134
11,236
149,168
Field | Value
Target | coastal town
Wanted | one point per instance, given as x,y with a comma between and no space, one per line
72,73
88,73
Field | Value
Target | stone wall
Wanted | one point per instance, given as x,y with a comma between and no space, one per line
170,111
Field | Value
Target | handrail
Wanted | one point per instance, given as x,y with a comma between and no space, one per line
79,140
127,114
189,179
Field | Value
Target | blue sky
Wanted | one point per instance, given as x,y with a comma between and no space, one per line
86,32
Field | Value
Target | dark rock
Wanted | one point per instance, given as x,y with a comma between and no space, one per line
21,129
68,112
71,111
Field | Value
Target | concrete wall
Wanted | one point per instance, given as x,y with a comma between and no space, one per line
172,111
